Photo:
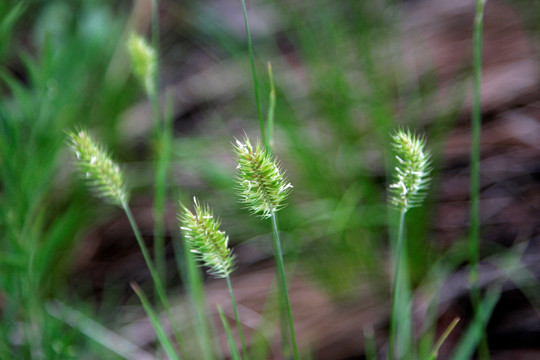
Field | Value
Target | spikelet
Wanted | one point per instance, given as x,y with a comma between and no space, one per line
102,173
411,178
144,61
205,240
261,183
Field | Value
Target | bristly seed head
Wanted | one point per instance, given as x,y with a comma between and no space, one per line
205,240
144,61
411,178
102,173
261,183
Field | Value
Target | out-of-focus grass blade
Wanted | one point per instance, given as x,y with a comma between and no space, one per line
369,341
230,338
97,332
474,333
271,108
442,339
158,328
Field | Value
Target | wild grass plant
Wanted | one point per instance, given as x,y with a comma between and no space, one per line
336,219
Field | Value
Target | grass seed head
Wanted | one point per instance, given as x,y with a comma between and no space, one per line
144,61
411,178
100,171
262,186
205,240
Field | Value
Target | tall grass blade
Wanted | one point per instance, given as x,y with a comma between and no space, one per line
254,75
469,341
163,151
370,344
94,330
156,323
230,337
271,110
280,267
153,273
237,318
442,339
476,128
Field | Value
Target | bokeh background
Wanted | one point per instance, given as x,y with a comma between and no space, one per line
347,73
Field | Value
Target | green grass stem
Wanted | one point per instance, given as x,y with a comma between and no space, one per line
397,278
95,331
476,128
283,283
442,339
254,75
271,109
230,337
156,323
153,273
370,344
476,330
237,318
162,139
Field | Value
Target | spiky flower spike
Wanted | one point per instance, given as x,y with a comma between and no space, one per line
205,240
101,172
261,183
144,61
411,177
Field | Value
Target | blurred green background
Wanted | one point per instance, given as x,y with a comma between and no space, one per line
347,73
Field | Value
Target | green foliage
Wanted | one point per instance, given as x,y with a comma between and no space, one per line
338,82
51,78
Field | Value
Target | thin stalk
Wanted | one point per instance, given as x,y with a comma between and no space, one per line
442,339
228,332
370,344
476,127
161,136
254,75
282,279
155,321
395,291
160,290
237,318
271,108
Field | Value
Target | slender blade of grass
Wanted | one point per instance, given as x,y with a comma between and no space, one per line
230,338
476,127
154,319
282,279
271,109
237,318
254,75
153,273
162,135
442,339
475,331
94,330
370,344
396,286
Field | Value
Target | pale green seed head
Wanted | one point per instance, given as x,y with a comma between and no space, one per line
262,186
99,170
411,177
205,240
144,61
